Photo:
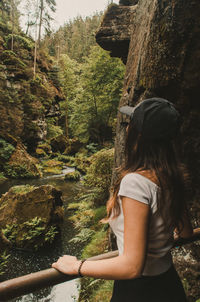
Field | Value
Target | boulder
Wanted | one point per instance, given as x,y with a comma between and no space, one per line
30,216
21,164
59,143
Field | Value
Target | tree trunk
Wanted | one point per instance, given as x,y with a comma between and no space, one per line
41,20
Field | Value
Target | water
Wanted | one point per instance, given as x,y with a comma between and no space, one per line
22,262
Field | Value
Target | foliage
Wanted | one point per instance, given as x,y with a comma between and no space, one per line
100,171
82,162
103,293
53,130
74,38
98,245
10,232
73,176
92,148
10,58
3,262
83,236
2,177
33,231
18,171
22,41
6,150
94,108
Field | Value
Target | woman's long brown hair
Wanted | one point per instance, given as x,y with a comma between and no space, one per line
162,157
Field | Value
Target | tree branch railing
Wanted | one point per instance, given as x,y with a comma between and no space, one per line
29,283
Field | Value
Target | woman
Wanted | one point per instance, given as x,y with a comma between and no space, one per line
147,205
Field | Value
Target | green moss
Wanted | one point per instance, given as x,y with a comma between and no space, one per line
52,170
23,189
73,176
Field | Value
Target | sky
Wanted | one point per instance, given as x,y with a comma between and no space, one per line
69,9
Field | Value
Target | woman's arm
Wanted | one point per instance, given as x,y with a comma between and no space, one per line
126,266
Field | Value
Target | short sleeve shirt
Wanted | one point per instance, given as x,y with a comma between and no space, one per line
160,241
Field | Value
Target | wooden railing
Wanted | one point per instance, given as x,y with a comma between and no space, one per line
29,283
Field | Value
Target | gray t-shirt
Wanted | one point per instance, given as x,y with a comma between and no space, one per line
140,188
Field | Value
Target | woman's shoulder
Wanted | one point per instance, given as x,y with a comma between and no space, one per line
141,176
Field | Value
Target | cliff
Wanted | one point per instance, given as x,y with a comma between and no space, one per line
25,101
162,60
159,41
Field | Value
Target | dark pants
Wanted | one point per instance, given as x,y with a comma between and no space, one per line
165,287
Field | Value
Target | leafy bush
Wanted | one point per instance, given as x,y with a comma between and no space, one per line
18,171
100,171
6,150
53,131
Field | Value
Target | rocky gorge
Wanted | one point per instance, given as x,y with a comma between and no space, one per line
159,42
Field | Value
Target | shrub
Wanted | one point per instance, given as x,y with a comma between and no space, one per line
100,171
6,150
18,171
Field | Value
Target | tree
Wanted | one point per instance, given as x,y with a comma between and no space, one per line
69,77
94,109
46,7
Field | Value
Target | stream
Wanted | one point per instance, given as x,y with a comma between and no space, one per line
22,263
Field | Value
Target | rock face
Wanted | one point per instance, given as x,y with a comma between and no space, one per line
29,215
115,31
163,60
26,101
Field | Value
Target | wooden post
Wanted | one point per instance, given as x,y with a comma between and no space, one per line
26,284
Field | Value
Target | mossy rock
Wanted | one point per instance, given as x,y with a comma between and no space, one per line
74,146
73,176
59,143
30,216
22,165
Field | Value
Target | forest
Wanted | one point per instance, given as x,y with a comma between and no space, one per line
59,98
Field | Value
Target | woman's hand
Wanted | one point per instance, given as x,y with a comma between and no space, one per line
67,264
